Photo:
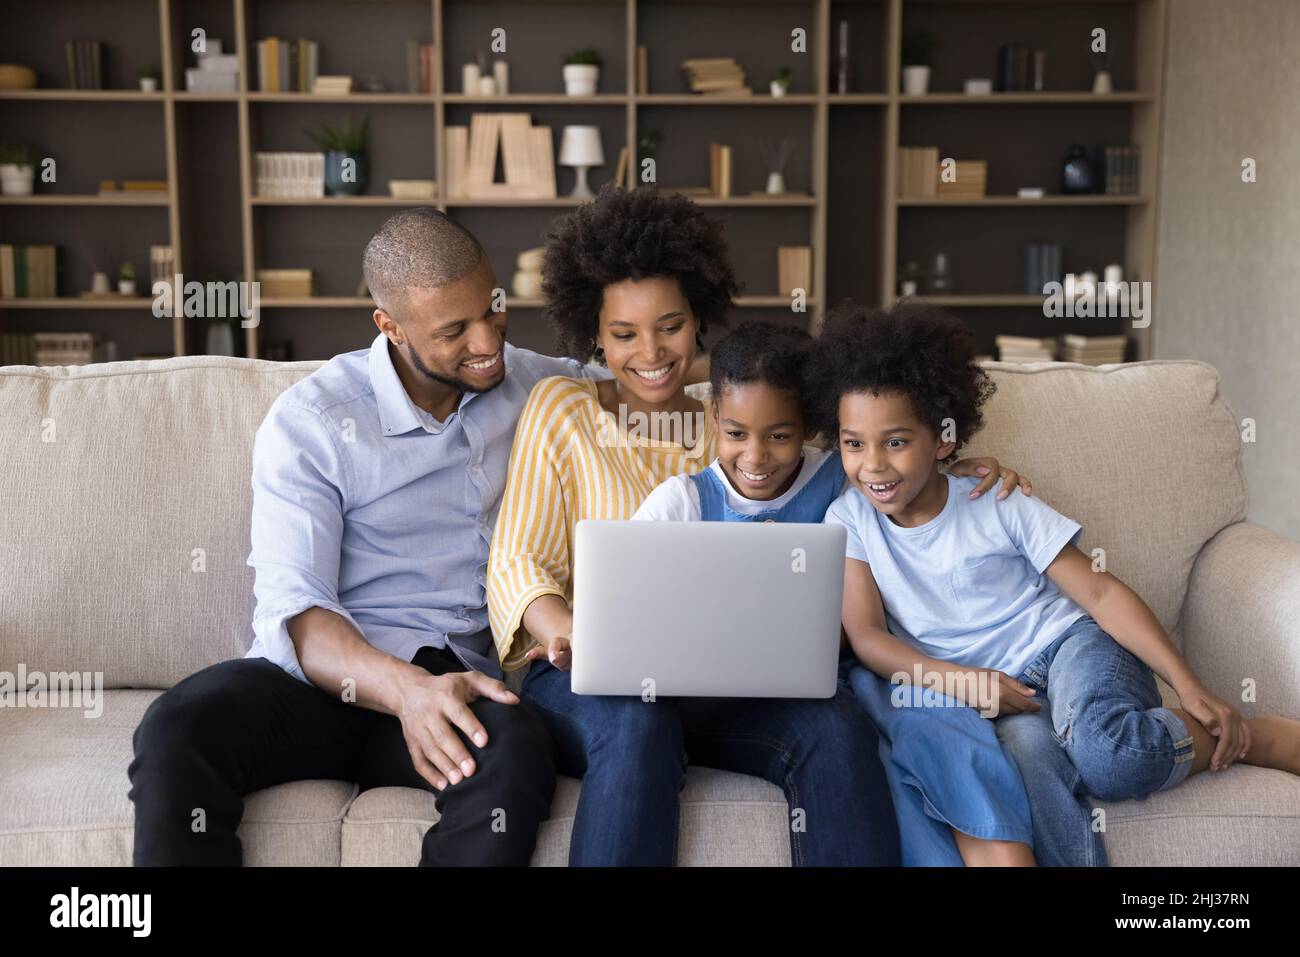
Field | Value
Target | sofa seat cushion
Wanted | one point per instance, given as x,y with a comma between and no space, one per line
726,819
63,794
1242,817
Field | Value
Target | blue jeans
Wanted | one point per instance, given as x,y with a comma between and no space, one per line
1101,731
632,757
946,770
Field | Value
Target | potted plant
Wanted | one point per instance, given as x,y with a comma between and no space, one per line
149,77
917,48
126,279
17,170
582,72
346,169
781,81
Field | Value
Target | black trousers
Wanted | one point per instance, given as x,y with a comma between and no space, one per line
244,725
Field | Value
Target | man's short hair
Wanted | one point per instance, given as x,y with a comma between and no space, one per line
417,248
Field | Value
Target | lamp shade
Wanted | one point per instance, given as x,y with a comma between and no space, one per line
580,146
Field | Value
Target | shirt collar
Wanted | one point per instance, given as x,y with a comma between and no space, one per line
397,413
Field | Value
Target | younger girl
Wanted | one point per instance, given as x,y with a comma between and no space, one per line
765,472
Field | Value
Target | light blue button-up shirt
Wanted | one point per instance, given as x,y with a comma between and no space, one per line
366,505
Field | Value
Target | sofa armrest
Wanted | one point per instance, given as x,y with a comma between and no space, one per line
1241,618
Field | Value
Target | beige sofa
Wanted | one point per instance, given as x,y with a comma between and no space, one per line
124,509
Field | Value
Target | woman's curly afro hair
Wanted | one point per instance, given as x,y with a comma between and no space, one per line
634,234
921,351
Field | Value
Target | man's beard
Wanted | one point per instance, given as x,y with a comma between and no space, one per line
451,383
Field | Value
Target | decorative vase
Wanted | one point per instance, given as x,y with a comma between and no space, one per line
580,79
335,184
16,180
779,89
1077,174
99,283
220,339
916,80
775,183
1101,83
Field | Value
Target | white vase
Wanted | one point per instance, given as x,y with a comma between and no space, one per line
580,79
779,89
1101,83
775,183
916,80
16,180
148,84
99,283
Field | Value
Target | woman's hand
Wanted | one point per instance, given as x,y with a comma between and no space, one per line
991,472
1220,719
558,651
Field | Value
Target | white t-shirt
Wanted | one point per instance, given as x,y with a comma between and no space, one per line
968,585
677,500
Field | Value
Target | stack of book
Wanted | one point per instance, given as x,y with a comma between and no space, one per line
136,187
284,283
290,174
217,72
1093,350
287,66
794,269
918,171
421,66
28,272
1122,169
1025,349
970,178
332,85
63,348
719,169
527,156
716,76
85,62
162,265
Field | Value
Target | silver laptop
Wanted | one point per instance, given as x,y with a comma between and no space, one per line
709,609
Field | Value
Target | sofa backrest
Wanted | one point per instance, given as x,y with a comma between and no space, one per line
125,495
124,514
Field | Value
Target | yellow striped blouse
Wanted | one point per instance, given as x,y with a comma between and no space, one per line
573,460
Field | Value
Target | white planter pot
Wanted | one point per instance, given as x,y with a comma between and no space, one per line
148,84
580,79
775,184
16,180
126,287
779,89
916,80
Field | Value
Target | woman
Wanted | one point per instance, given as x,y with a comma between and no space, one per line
635,279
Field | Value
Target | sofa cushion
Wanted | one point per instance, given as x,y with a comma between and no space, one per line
126,490
726,819
1146,456
63,794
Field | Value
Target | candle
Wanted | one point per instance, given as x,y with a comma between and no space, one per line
501,73
469,77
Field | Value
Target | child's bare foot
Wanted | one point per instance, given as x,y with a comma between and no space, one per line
1274,743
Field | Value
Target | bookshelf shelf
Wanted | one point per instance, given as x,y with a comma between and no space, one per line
1086,199
54,199
1023,99
327,201
983,300
318,302
406,99
698,99
538,99
78,302
85,96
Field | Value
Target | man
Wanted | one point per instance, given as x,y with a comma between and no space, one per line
376,483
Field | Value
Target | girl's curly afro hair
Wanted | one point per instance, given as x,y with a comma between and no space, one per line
921,351
634,234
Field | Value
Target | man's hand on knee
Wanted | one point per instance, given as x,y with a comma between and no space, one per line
432,708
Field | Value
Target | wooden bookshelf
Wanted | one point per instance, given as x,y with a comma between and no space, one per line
843,176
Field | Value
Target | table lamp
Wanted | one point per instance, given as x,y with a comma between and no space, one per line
580,148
